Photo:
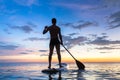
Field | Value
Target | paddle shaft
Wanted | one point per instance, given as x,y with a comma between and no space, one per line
69,52
80,65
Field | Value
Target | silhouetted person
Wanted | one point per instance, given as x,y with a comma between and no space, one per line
55,40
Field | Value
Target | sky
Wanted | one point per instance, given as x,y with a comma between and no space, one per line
90,30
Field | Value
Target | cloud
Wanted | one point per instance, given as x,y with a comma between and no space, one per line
43,50
106,48
2,42
106,4
103,33
31,24
114,20
62,50
7,46
72,34
35,39
103,41
47,51
70,42
47,54
7,31
27,2
104,52
2,53
29,27
94,5
80,24
29,50
43,54
26,29
73,5
23,53
111,3
85,24
5,10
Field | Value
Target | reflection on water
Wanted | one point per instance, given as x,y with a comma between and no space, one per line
32,71
59,77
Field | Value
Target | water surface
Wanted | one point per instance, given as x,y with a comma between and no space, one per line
32,71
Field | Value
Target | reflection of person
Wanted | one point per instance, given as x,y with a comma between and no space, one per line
55,40
59,76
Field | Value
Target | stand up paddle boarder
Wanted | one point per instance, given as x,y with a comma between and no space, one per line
55,40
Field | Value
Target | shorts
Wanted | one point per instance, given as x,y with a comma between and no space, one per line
54,41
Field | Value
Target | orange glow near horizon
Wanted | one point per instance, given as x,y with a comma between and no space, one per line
36,58
83,57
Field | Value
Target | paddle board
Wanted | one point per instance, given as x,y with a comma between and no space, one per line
53,70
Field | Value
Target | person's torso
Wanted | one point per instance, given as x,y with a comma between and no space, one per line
54,31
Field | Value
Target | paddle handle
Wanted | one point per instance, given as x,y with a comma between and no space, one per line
68,52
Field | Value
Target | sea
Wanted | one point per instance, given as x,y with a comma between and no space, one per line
33,71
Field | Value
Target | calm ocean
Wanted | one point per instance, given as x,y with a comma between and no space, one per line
32,71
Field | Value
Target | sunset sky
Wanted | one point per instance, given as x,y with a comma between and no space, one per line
90,30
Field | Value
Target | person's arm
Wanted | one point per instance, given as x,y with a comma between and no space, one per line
60,36
45,30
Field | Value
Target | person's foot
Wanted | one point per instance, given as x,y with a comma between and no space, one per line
49,67
61,66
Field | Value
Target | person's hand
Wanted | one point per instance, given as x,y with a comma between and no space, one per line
46,27
61,43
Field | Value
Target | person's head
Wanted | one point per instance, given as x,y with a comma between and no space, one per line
54,21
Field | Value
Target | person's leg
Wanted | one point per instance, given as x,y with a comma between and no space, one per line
58,53
51,47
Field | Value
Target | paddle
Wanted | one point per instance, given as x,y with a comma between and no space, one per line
79,64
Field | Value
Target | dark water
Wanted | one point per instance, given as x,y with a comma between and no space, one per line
32,71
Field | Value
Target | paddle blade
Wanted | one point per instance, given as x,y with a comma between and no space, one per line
80,65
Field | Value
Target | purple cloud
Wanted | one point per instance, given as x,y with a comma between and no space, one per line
114,20
23,53
103,41
70,42
80,24
35,39
27,28
106,48
43,50
8,47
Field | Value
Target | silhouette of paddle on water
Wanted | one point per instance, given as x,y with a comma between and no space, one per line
79,64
